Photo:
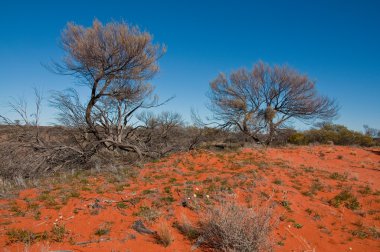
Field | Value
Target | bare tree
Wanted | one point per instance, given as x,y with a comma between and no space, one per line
19,106
372,132
71,110
38,102
259,102
160,134
115,61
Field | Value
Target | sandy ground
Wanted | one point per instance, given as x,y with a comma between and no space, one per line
304,185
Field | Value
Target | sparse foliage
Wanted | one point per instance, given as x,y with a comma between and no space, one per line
259,102
115,61
230,227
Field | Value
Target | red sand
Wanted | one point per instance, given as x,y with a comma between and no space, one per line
301,177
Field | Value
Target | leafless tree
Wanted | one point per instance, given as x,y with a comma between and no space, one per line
71,109
259,102
372,132
24,145
115,61
38,103
160,134
19,106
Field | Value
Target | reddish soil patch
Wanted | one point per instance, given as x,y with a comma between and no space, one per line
326,198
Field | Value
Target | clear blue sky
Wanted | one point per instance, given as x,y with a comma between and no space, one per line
337,43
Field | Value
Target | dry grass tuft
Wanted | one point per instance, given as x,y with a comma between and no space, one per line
230,227
186,228
164,235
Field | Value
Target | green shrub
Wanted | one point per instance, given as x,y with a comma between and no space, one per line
349,200
102,231
298,138
326,133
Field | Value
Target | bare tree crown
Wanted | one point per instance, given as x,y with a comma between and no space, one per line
260,101
114,50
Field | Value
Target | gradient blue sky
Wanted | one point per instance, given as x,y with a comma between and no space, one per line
337,43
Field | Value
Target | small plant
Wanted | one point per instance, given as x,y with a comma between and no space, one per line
148,191
49,200
16,210
338,176
57,233
360,233
363,232
316,216
167,189
21,235
230,227
316,186
94,211
25,236
349,200
282,217
147,213
263,165
187,229
134,200
172,180
352,204
74,194
365,190
121,205
37,215
286,205
70,194
168,199
119,187
277,182
309,169
31,206
297,225
264,195
102,231
374,232
225,186
99,190
248,200
84,181
163,235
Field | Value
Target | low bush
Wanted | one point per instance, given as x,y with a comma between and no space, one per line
230,227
